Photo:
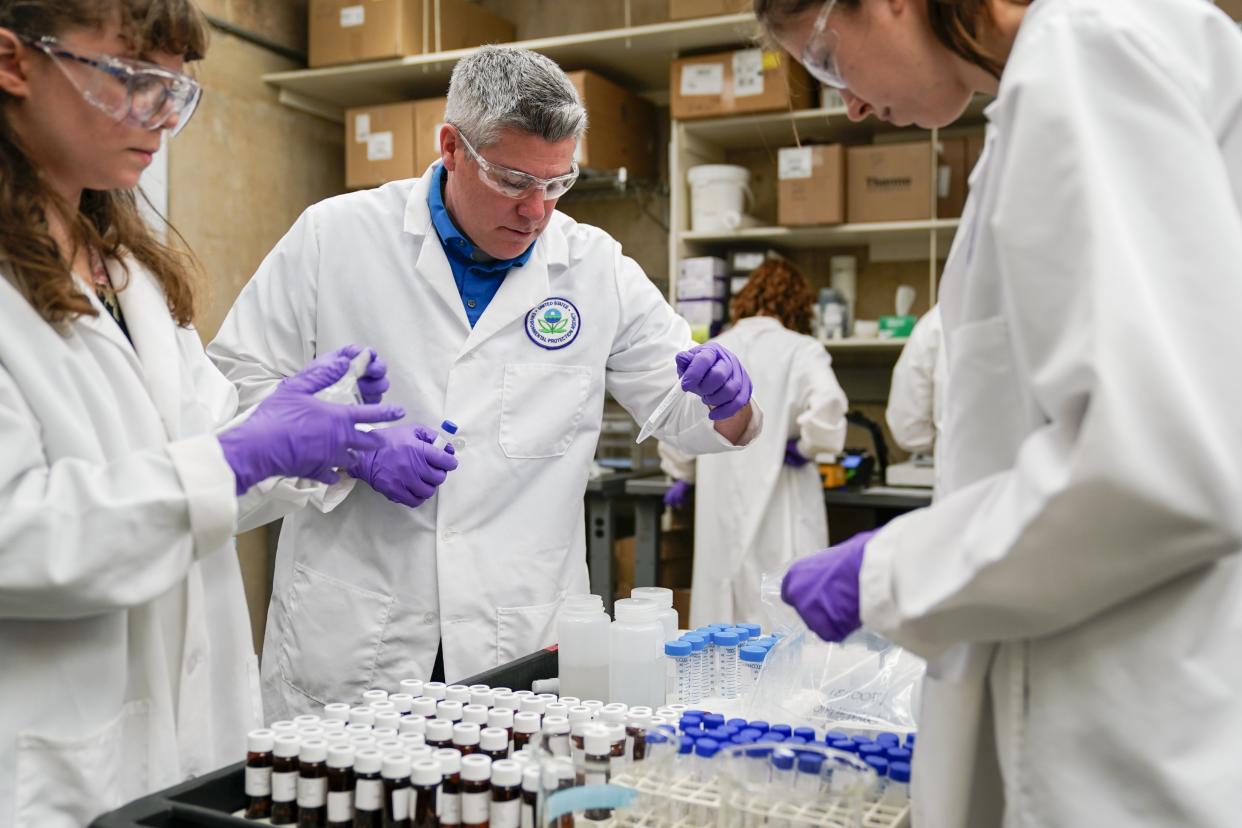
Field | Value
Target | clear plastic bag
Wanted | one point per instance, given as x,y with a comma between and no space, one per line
864,683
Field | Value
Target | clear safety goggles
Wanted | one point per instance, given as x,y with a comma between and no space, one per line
819,55
515,183
144,93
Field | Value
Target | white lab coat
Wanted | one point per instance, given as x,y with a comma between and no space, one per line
1077,589
753,514
915,411
126,660
363,595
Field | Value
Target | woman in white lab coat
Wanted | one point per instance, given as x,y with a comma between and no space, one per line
915,411
126,658
757,509
1076,588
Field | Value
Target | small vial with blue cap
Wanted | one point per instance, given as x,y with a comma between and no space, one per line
807,780
880,766
783,760
447,429
897,793
726,663
681,671
750,665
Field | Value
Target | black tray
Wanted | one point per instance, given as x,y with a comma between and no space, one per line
210,801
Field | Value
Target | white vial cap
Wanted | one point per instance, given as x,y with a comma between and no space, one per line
526,722
341,756
638,718
500,717
412,740
556,709
476,768
332,726
336,712
435,689
533,704
530,777
450,761
401,702
313,750
387,746
283,726
506,773
555,725
569,701
311,732
493,739
396,766
485,697
414,687
368,760
635,611
475,713
425,707
374,696
614,713
597,741
450,710
466,733
287,744
385,733
306,719
499,690
505,701
548,697
420,754
594,704
412,724
260,741
388,719
578,713
523,693
362,740
426,772
362,715
457,693
439,730
357,727
384,706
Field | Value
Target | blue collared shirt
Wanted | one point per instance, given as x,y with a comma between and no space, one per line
478,275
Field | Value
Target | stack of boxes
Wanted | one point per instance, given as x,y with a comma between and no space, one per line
702,290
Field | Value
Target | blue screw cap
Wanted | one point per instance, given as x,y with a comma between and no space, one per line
449,426
783,759
899,771
685,745
724,638
678,649
752,654
878,764
783,729
706,748
807,733
811,763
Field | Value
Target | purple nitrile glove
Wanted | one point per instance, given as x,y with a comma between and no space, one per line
407,469
374,383
793,457
716,375
293,434
823,588
677,494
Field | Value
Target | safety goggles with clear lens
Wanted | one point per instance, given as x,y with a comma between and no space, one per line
819,55
515,183
145,93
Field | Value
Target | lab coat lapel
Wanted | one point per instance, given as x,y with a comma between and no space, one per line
432,265
103,326
155,340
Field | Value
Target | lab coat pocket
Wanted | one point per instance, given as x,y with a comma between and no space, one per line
541,407
70,781
332,635
521,631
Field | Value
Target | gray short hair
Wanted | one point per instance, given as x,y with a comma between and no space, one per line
500,87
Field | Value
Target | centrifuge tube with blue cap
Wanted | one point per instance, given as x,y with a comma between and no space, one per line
809,766
880,766
726,663
897,793
681,677
447,429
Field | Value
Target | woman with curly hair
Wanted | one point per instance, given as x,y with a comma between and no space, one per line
756,509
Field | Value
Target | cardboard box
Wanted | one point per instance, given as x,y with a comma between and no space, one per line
346,31
951,173
731,83
621,127
702,277
889,182
686,9
674,568
681,603
811,185
349,31
391,142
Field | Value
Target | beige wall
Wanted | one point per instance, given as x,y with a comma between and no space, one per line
239,175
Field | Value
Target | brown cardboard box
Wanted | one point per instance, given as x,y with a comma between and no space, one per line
681,603
889,182
464,24
951,172
731,83
621,127
391,142
674,568
347,31
686,9
811,188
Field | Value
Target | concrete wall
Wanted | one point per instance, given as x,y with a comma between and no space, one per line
239,175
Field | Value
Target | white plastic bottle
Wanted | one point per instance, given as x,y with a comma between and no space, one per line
345,390
636,639
583,647
662,598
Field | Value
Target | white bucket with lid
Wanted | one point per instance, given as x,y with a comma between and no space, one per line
719,194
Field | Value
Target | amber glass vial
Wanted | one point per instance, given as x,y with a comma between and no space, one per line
259,745
285,779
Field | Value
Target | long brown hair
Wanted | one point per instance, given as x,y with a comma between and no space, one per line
108,221
776,288
956,23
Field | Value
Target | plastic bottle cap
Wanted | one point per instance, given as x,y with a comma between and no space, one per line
759,752
638,718
362,715
593,704
774,737
412,724
412,686
401,702
526,722
457,692
847,745
678,649
614,713
505,701
783,729
783,759
388,719
635,611
387,746
466,733
725,639
899,771
424,706
697,642
493,739
420,754
260,741
750,733
474,713
555,725
426,772
910,739
713,720
810,763
742,633
450,710
898,755
412,740
439,730
760,725
500,717
283,726
506,773
557,709
888,740
449,426
578,713
835,736
807,733
337,711
753,629
374,695
449,759
362,740
287,745
685,745
660,596
476,767
870,749
368,760
382,706
482,697
878,764
706,748
435,689
533,704
396,766
341,756
596,740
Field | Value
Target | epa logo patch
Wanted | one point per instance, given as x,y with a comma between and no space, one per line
553,323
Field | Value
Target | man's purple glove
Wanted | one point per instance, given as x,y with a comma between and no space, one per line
407,469
677,494
823,588
374,383
716,375
293,434
793,457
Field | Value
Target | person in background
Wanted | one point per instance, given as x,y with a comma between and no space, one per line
1076,587
915,411
757,509
126,657
512,320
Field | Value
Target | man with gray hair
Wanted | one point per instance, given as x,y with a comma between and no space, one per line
498,313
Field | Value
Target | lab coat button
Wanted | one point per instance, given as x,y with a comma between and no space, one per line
448,535
459,443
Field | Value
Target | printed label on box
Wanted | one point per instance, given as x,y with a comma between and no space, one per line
702,79
379,146
794,162
748,73
362,128
353,16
